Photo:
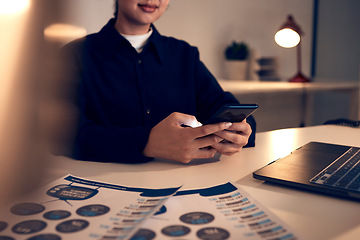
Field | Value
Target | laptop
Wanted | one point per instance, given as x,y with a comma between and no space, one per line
320,167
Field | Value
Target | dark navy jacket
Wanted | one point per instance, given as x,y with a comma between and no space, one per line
122,94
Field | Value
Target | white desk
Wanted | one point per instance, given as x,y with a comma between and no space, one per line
294,100
315,216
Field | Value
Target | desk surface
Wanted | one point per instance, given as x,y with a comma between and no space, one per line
315,216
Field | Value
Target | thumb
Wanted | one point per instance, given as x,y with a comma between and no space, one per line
187,120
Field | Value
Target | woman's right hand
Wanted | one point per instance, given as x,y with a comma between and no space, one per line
170,140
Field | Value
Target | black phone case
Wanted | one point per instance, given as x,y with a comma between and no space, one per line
233,113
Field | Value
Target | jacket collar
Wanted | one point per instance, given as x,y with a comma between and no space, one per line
110,40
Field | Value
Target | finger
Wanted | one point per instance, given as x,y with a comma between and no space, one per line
199,154
210,129
236,133
241,127
227,148
228,153
233,137
186,120
207,141
205,153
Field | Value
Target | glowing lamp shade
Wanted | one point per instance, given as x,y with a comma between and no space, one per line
13,6
287,38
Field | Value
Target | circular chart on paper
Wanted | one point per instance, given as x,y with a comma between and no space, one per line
57,215
72,226
213,233
45,237
197,218
175,230
3,225
6,238
28,227
93,210
26,209
144,234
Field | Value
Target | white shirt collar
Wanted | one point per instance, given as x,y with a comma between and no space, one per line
138,41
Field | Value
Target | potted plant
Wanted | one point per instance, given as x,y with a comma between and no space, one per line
236,64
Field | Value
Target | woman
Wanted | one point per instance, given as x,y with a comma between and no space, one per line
137,88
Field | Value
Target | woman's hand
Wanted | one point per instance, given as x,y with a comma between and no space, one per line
170,140
235,138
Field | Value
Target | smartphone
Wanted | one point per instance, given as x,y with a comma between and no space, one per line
233,113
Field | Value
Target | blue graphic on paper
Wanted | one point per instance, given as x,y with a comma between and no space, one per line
208,192
68,192
3,226
143,234
28,227
57,214
161,210
197,218
72,226
144,191
6,238
45,237
175,230
212,233
93,210
205,192
27,209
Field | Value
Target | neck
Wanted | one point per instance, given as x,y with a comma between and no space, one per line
131,29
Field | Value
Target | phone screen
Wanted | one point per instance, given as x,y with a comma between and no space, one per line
233,113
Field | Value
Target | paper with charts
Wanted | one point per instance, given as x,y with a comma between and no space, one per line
77,208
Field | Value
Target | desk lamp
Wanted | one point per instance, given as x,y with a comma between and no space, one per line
289,36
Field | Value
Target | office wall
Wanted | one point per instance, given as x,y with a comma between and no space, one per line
212,24
338,54
338,48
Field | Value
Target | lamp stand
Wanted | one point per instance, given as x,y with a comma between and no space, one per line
299,77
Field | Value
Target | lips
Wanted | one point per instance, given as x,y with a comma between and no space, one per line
149,8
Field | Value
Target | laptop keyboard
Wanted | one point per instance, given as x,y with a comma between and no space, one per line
343,173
